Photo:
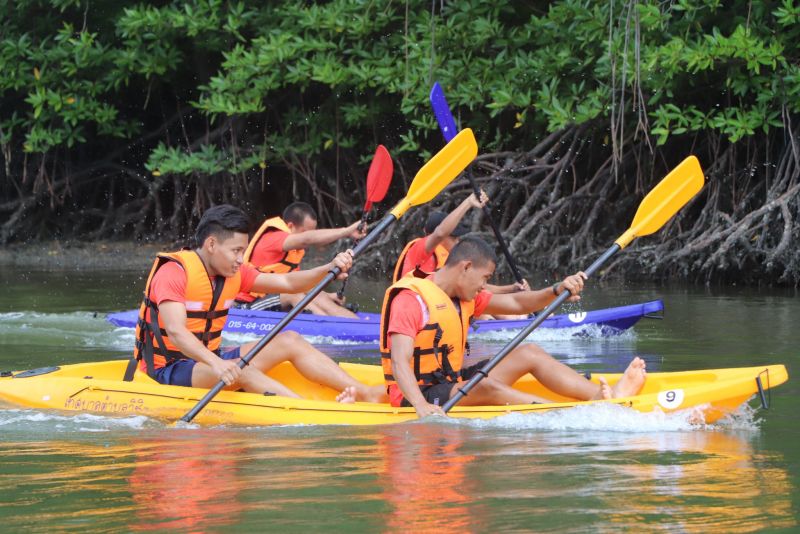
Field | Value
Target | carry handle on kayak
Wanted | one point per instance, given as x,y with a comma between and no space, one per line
429,181
441,109
664,201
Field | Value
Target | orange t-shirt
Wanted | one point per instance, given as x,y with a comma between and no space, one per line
269,248
169,282
418,256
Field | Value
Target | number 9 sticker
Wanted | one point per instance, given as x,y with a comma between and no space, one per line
670,399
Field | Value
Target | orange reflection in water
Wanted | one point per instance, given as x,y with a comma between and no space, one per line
710,479
425,479
188,482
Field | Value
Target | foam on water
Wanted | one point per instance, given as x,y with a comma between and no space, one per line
76,329
240,338
599,417
602,417
589,331
34,422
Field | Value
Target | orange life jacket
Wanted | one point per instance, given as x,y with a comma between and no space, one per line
290,261
441,345
439,254
206,312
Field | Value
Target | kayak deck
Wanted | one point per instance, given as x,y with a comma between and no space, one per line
98,388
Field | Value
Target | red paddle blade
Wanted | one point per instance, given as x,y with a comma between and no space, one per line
379,176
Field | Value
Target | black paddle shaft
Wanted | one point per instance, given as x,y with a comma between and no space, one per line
363,224
488,213
332,274
491,364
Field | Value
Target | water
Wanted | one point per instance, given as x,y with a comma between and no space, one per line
590,469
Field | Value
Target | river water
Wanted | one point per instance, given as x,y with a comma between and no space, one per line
590,469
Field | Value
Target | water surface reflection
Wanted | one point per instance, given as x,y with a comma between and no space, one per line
417,477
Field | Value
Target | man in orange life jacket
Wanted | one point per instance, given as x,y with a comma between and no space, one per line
424,325
442,232
187,297
279,246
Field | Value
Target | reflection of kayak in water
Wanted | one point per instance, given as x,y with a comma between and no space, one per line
99,388
604,322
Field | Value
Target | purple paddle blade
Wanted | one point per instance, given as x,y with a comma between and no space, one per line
442,111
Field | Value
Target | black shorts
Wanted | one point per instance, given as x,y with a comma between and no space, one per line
438,394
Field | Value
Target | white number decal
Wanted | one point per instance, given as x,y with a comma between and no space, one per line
577,317
671,399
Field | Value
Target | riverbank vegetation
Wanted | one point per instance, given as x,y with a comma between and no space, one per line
125,120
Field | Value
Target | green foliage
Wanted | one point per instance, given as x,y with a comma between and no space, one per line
313,78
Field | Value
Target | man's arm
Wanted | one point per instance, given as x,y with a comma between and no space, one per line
510,288
301,281
533,301
450,222
173,316
321,237
402,352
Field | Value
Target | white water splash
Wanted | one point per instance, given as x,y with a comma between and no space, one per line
590,331
77,329
33,421
603,417
240,338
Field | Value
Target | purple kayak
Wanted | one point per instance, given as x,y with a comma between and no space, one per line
595,323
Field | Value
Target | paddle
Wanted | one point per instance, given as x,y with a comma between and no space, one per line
429,181
379,177
664,201
448,126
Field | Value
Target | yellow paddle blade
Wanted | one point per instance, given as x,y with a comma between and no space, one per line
664,201
439,171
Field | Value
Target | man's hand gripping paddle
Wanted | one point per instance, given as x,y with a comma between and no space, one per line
434,176
379,178
664,201
448,126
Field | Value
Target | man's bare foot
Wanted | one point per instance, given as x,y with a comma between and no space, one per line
348,396
632,380
606,392
375,394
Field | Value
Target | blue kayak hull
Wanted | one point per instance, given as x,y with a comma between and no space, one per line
606,322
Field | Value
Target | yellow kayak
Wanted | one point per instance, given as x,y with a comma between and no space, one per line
99,388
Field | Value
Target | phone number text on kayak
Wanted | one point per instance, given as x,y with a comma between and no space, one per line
250,326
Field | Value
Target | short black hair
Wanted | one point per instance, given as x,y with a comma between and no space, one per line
222,221
296,213
474,249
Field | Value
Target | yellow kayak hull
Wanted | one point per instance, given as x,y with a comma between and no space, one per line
98,388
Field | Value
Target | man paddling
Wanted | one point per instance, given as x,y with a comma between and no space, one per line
424,326
442,233
279,246
186,302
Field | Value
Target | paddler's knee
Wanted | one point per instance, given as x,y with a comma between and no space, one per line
489,386
290,337
532,350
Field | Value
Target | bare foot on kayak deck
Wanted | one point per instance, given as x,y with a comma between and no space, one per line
632,380
375,394
606,392
348,396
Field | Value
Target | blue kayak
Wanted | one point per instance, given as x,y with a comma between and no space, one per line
595,323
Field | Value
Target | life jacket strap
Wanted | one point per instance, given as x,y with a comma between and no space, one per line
209,315
130,370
